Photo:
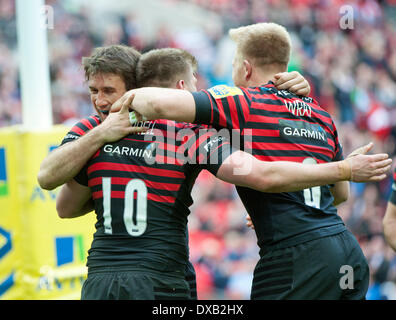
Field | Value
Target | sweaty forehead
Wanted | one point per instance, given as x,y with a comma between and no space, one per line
106,80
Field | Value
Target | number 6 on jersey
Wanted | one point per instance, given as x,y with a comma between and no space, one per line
312,195
135,227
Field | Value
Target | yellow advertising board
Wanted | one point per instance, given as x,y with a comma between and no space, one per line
41,255
9,221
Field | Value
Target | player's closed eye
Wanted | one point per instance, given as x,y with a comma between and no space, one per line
108,90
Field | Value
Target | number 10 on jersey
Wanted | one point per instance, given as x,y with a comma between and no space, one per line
135,222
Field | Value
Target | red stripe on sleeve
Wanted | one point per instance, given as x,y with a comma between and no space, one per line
78,130
97,120
233,111
222,118
86,123
245,104
211,105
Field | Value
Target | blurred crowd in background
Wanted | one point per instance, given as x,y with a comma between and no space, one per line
352,72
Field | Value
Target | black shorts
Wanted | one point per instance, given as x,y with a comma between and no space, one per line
133,284
329,268
191,279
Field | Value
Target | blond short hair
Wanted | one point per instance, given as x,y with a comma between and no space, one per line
263,43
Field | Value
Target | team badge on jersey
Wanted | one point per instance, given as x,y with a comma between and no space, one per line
223,91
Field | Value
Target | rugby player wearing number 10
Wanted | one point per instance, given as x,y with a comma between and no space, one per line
303,242
139,249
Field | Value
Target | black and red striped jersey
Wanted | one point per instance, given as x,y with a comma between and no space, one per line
141,186
81,128
392,197
276,125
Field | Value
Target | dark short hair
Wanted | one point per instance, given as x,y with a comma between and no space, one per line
162,67
116,59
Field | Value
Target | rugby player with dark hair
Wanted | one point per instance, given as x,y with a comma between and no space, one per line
139,249
303,242
110,71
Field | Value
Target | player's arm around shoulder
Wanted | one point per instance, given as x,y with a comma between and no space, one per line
243,169
159,103
63,163
73,200
180,105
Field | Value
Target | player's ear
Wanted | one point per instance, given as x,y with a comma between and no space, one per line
248,69
180,84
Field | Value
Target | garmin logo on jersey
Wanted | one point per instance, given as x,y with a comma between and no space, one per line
128,151
305,133
300,129
299,108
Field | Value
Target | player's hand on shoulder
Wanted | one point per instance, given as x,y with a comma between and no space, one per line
292,81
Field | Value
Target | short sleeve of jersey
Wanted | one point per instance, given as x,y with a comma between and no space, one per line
81,128
222,107
208,149
82,176
78,130
392,198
